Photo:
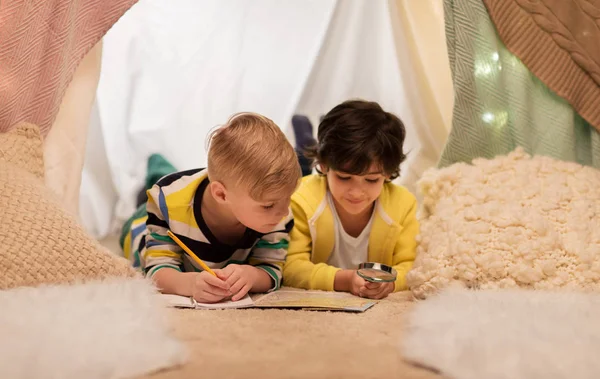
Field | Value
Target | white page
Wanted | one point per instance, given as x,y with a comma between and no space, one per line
245,302
177,301
186,302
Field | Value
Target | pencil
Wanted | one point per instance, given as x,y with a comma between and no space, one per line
191,254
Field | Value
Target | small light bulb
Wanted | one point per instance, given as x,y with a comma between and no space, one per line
488,117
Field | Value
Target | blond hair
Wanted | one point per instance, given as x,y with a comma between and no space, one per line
251,152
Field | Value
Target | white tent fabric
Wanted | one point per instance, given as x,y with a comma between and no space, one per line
172,71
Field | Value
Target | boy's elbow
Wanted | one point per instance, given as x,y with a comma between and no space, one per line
402,269
293,275
400,285
290,280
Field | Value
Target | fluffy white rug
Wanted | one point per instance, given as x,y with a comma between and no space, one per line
506,334
112,329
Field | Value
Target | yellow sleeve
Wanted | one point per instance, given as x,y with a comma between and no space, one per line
299,271
406,246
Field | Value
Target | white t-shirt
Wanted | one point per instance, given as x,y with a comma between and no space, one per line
348,252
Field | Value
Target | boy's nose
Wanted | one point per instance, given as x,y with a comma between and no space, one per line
355,193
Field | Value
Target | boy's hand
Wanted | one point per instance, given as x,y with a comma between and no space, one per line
356,284
376,290
363,288
207,288
240,278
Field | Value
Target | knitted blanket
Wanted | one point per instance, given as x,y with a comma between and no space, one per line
499,104
558,41
42,45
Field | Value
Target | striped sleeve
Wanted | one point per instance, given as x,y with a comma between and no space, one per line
269,252
159,250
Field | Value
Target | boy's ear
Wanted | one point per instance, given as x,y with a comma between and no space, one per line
218,192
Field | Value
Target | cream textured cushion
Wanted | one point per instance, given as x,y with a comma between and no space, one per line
514,221
40,242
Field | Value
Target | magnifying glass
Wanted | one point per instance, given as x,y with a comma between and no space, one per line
377,272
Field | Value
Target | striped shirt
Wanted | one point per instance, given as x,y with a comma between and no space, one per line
174,203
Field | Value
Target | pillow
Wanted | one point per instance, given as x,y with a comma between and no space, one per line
513,221
40,242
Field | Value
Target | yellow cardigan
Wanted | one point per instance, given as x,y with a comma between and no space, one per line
392,240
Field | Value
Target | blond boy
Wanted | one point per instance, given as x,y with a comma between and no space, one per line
234,215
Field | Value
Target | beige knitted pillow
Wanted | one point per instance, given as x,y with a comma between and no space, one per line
513,221
40,243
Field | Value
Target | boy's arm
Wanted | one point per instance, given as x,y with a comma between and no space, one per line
299,271
159,250
406,246
164,258
175,282
269,254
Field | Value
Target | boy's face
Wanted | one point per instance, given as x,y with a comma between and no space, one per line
355,193
261,216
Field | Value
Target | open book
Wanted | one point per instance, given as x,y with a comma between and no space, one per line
291,299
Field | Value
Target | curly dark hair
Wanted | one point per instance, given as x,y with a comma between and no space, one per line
355,134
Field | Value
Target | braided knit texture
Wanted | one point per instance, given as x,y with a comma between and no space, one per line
558,41
40,242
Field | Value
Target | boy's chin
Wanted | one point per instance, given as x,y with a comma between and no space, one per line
358,209
265,228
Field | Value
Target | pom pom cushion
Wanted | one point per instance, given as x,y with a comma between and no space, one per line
40,242
513,221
